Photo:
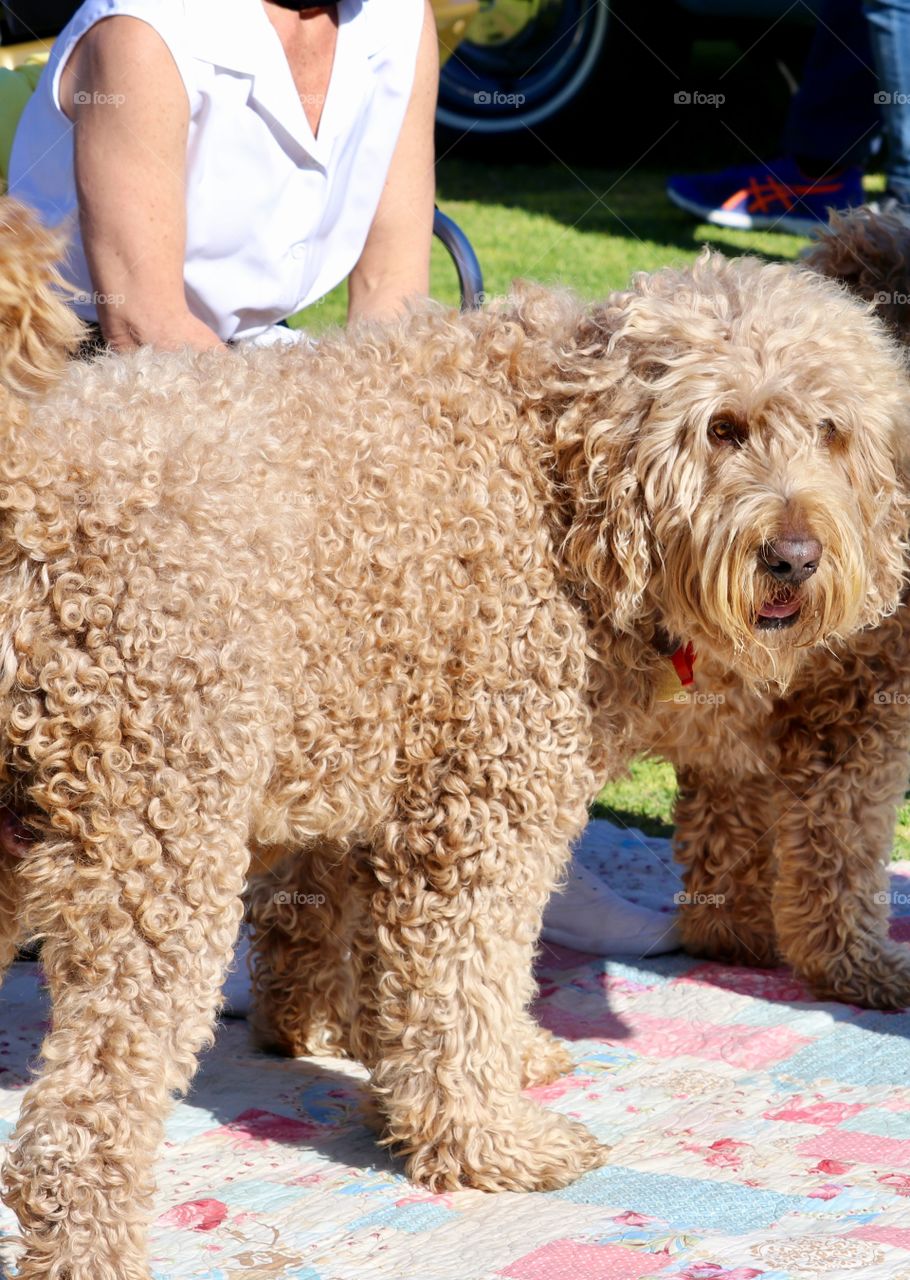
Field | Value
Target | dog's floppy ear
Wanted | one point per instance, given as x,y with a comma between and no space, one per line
38,331
608,541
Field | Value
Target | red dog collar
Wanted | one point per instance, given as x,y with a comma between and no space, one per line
683,660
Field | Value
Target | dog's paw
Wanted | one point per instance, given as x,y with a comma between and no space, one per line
543,1059
873,973
529,1150
725,941
311,1039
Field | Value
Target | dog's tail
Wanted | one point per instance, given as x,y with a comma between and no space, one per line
870,252
38,330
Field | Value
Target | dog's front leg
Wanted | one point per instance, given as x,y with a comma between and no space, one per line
724,839
138,915
460,888
832,900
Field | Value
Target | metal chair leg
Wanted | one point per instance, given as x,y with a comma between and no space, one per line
470,276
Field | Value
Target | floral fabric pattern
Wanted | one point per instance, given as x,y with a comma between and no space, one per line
756,1134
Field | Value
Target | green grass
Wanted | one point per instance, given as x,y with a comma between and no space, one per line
591,229
902,833
584,227
588,228
644,799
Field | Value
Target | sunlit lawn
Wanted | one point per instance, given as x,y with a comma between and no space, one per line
586,228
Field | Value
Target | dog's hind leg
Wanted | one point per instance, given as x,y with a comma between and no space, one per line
301,945
139,910
724,840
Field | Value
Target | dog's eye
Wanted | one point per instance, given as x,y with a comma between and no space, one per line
827,431
723,431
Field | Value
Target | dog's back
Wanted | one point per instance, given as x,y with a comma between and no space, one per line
319,539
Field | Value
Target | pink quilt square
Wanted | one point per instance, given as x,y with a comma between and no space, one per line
735,1043
570,1260
899,1237
829,1114
866,1148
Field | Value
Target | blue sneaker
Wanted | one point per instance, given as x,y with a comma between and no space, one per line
774,197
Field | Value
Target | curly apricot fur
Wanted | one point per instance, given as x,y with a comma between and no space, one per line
381,615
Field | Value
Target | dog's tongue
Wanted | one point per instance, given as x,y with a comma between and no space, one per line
778,608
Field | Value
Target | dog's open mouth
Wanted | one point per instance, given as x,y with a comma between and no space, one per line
778,613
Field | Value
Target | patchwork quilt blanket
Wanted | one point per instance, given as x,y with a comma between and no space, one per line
755,1131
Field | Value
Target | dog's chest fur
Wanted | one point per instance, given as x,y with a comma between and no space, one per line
735,732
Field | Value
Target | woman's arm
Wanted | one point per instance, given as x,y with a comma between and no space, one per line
395,263
122,90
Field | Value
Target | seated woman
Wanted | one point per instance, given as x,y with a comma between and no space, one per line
226,163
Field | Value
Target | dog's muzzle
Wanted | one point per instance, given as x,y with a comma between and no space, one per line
789,561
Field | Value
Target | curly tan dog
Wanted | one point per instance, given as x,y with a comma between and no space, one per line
788,786
386,611
786,811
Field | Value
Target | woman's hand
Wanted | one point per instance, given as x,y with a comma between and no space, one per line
126,98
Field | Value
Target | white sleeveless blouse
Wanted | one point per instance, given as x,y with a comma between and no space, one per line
275,216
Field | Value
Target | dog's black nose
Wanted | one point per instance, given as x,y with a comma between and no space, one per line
791,558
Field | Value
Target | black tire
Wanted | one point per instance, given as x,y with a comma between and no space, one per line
588,80
525,64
